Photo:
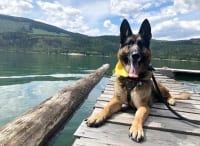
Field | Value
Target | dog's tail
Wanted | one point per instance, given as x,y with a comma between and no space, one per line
182,96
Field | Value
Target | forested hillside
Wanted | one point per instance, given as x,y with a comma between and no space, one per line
26,35
183,49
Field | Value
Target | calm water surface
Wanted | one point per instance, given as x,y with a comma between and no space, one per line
28,79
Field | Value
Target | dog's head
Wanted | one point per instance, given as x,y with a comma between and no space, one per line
134,53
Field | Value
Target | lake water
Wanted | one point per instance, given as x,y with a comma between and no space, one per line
28,79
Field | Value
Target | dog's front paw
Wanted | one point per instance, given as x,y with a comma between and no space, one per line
95,120
171,101
136,133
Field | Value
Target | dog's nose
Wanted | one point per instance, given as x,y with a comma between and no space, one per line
136,56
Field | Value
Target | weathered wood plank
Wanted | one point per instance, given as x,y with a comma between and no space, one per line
195,102
84,141
160,112
182,103
117,135
154,122
111,88
178,107
194,96
169,85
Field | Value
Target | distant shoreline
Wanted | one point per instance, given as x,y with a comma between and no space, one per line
95,54
182,60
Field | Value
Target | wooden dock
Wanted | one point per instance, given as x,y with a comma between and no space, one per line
171,72
162,128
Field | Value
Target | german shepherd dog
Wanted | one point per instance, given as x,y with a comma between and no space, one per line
137,89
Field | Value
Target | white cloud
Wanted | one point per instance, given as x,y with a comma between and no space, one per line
154,10
95,11
133,8
111,27
179,7
178,21
61,16
124,8
65,17
184,6
177,29
192,25
15,7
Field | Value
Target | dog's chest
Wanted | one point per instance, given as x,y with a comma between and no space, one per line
136,90
129,85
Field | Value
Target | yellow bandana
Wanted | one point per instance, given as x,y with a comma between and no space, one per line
119,70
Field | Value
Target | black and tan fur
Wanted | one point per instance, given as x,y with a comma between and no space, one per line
134,50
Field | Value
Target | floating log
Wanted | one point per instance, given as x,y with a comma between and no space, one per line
36,126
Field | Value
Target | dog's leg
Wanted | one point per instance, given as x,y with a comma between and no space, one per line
183,96
97,119
136,130
165,92
171,98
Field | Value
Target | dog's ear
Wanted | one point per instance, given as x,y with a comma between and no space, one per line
125,31
145,31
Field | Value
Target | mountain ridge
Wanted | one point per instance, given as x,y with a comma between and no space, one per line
20,34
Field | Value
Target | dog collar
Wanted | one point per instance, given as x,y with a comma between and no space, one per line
119,70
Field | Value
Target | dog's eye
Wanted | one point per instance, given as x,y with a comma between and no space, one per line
125,59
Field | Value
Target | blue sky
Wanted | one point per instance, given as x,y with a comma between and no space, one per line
170,19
